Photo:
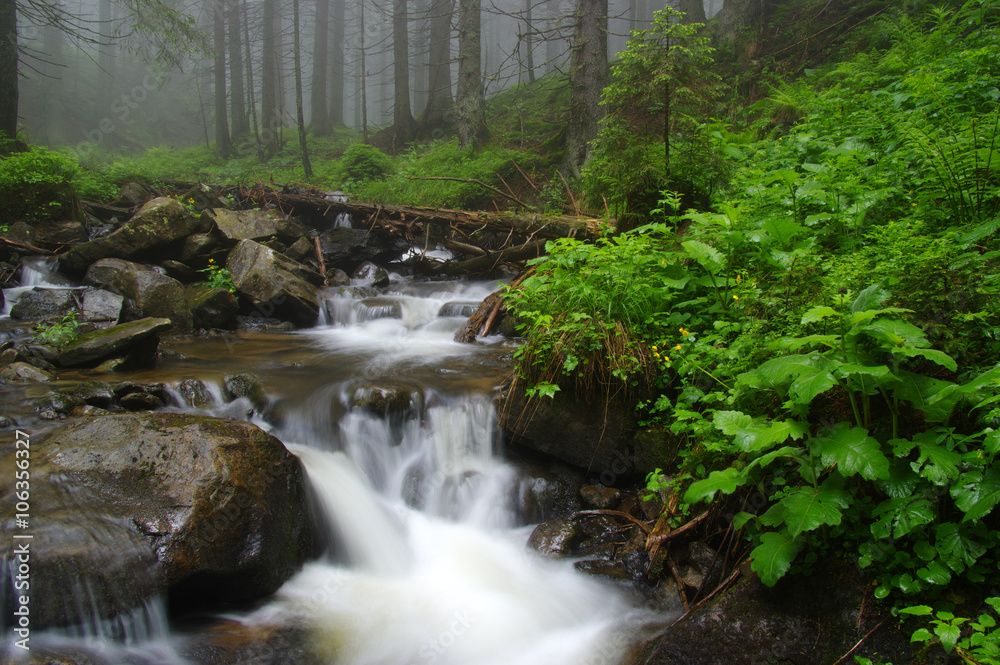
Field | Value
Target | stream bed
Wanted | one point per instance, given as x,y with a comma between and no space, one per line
396,427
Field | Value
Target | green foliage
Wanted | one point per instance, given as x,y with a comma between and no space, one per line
980,646
60,333
35,184
363,162
218,277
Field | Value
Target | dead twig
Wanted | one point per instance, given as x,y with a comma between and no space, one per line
612,513
24,245
867,635
576,208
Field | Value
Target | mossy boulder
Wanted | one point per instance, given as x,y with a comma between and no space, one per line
125,339
272,283
159,223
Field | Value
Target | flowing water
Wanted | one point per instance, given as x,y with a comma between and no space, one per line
395,425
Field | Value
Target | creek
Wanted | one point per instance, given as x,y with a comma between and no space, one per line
396,427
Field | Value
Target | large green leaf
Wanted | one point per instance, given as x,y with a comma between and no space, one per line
706,255
806,509
750,436
934,397
818,313
939,463
870,298
935,356
725,481
780,230
976,493
774,556
895,332
854,452
897,517
956,548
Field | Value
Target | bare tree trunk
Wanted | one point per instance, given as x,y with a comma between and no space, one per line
105,62
269,73
529,40
251,94
364,80
299,113
403,125
319,117
587,79
337,66
237,109
439,99
223,147
740,19
470,108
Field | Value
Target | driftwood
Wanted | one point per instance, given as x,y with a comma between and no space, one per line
24,245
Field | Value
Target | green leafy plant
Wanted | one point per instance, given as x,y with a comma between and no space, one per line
218,277
980,646
60,333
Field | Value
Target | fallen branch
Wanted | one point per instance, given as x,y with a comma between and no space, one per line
867,635
687,526
24,245
474,181
322,263
611,513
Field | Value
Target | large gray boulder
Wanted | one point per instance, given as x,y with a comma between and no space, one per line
152,293
124,339
40,303
347,248
126,506
158,223
212,307
102,308
271,282
236,225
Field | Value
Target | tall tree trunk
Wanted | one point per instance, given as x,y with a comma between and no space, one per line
337,65
299,113
588,77
50,113
106,64
693,10
470,107
270,118
529,41
403,125
319,117
8,68
251,94
420,46
439,98
223,147
740,19
364,79
237,109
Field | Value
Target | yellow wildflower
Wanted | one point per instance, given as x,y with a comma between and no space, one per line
684,332
735,297
677,348
739,278
653,347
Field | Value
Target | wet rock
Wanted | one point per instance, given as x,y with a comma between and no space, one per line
22,372
555,539
263,324
236,225
132,195
195,394
158,223
611,570
211,307
40,303
121,340
202,198
246,385
108,272
463,309
58,232
125,388
580,434
372,274
62,404
180,271
300,249
347,248
383,400
545,491
95,393
130,505
271,283
102,308
140,402
197,246
801,621
337,277
598,496
151,292
706,568
235,643
371,309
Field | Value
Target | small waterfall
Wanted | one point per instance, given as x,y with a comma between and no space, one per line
36,272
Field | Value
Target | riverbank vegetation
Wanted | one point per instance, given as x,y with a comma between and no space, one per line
825,334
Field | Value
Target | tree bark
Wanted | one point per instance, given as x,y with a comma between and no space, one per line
319,118
299,113
270,118
529,41
106,65
237,108
739,18
403,125
251,93
471,105
439,99
588,77
336,48
693,10
223,147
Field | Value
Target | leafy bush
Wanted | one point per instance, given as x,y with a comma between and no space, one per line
36,184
